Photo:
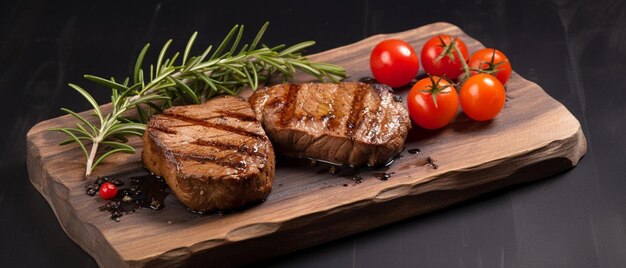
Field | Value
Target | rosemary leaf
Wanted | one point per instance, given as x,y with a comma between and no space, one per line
105,82
107,154
192,39
139,62
258,37
81,118
224,43
72,136
162,55
89,98
296,48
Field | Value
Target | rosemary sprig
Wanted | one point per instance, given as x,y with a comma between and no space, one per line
183,80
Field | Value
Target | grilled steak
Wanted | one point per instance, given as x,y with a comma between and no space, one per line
348,123
214,156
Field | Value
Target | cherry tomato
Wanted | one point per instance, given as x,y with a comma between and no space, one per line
394,62
493,62
450,64
482,97
108,191
422,107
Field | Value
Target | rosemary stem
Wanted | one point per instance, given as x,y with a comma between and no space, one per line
92,156
186,81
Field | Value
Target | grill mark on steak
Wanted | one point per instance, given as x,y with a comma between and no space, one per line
238,165
333,121
355,110
286,114
163,129
378,121
207,124
240,116
275,103
385,119
230,114
226,146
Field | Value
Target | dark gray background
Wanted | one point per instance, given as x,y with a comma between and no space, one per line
575,50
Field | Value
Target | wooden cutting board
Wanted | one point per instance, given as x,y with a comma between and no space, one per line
534,137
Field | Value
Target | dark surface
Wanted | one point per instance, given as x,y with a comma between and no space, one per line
576,51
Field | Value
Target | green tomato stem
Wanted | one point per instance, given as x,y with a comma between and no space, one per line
466,68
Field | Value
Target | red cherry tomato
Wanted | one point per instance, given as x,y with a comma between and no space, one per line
482,97
108,191
394,62
493,62
422,107
450,64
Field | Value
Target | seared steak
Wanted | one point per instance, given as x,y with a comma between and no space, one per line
348,123
214,156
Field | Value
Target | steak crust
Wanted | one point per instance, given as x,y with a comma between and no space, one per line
214,156
347,123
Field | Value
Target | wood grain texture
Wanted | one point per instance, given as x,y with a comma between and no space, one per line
534,137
